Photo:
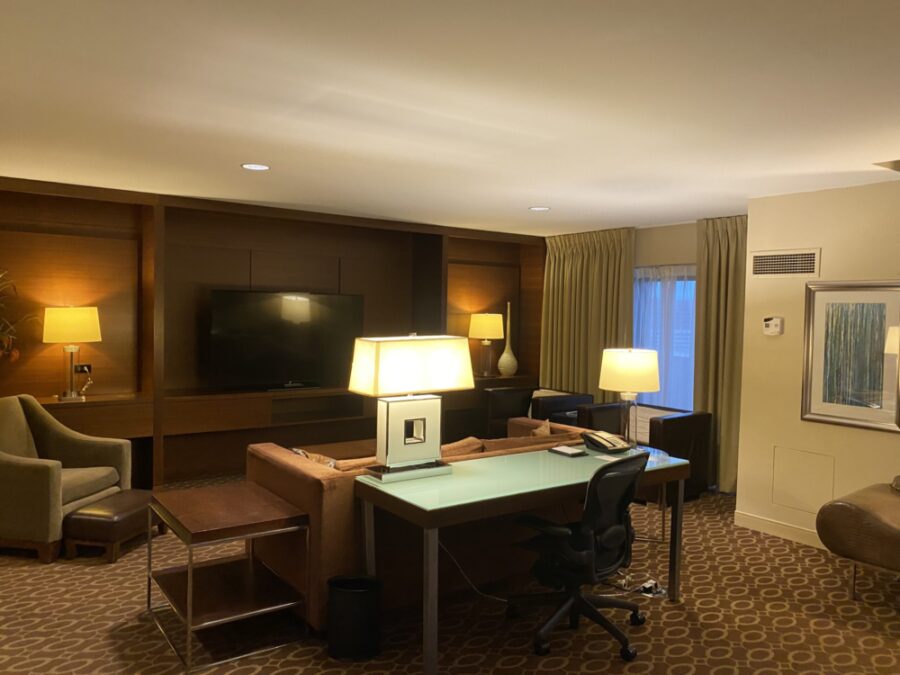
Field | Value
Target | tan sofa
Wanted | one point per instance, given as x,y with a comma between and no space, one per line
322,485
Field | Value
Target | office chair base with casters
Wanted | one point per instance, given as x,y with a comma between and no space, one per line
573,604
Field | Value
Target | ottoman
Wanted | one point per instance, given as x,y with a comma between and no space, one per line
109,522
863,527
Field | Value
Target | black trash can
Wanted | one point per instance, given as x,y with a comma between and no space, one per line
354,617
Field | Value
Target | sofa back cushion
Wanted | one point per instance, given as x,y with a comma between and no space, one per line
15,436
466,446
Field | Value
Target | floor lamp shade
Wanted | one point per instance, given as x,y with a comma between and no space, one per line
629,371
408,431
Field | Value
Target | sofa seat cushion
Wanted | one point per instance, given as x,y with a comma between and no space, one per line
864,526
78,483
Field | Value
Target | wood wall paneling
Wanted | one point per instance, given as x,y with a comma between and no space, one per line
531,284
53,270
476,289
291,271
192,272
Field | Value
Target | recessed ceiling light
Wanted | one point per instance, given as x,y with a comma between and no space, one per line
538,208
255,167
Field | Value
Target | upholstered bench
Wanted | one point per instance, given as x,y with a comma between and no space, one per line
864,527
109,522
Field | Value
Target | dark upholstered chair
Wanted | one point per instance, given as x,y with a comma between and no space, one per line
560,408
47,471
680,433
503,403
864,528
585,553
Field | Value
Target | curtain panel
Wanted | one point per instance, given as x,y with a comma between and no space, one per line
587,307
721,267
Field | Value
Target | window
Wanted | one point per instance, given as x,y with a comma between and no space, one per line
664,303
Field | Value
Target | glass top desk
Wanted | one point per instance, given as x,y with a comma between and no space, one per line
496,486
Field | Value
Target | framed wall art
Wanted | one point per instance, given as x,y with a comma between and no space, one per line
851,374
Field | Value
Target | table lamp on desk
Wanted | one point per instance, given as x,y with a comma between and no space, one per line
404,373
69,326
629,372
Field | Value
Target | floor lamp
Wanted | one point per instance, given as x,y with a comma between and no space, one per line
629,372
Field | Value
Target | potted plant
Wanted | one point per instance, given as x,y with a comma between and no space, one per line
8,327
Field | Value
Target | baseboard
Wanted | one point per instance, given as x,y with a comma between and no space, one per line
778,529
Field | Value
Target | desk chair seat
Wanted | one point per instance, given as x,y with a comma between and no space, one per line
584,553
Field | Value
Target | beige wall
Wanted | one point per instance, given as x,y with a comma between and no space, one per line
779,491
666,245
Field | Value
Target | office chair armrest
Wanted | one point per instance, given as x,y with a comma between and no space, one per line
544,526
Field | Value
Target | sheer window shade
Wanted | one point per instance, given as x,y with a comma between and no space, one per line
664,314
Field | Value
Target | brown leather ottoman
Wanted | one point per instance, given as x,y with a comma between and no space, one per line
109,522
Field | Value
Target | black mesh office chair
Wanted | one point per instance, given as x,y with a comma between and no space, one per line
585,553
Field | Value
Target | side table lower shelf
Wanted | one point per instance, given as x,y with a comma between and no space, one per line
238,592
225,589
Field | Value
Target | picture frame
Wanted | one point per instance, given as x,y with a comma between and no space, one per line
851,373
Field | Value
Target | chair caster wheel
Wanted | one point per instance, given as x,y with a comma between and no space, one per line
541,648
638,619
628,653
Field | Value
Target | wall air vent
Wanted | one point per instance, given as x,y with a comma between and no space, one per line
792,263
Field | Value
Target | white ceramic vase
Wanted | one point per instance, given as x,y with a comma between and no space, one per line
507,364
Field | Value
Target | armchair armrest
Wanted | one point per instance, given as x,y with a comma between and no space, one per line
56,441
30,498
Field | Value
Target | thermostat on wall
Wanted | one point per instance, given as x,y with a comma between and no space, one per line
773,325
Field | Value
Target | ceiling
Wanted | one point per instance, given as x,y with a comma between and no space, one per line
461,112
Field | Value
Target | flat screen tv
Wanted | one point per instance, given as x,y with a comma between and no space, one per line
262,340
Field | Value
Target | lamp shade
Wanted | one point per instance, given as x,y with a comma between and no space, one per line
486,326
414,364
71,324
629,370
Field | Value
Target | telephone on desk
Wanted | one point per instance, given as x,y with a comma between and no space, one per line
605,442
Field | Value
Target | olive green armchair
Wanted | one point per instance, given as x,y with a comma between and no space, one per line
47,471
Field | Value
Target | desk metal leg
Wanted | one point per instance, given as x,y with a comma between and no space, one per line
675,543
430,601
369,522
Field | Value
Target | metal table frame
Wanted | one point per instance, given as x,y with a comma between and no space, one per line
671,477
153,610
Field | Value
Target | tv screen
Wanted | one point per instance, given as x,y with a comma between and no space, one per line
264,340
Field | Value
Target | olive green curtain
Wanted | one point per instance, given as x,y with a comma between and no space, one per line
721,267
587,307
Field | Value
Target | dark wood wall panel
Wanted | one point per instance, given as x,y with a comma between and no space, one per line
531,283
478,289
64,215
191,273
53,270
289,270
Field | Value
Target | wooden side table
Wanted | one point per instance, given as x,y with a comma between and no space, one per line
227,589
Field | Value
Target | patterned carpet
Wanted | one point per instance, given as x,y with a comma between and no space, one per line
751,604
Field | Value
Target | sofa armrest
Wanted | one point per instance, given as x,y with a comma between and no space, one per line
30,498
542,407
335,533
56,441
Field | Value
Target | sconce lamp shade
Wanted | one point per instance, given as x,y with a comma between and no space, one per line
486,326
71,324
892,343
414,364
629,370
